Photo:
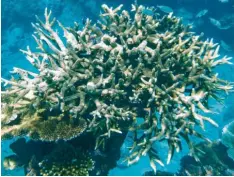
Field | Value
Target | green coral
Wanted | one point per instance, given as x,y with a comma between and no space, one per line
65,160
113,72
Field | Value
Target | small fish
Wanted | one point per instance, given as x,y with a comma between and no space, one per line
225,27
165,9
201,13
148,11
219,25
223,1
215,22
225,46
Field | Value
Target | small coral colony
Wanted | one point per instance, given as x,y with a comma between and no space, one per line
100,79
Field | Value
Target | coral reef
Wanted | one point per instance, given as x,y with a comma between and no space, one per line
26,154
101,77
213,161
66,160
60,159
34,155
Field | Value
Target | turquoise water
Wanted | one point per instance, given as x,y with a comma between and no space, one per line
17,31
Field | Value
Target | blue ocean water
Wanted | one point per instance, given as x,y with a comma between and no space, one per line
17,31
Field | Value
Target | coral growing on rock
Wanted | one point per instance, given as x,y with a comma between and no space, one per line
100,78
65,160
78,152
212,160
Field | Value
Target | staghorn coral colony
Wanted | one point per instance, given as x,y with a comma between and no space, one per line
102,78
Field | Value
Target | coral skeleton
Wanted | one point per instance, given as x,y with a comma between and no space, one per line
101,78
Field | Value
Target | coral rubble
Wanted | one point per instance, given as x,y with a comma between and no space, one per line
101,77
